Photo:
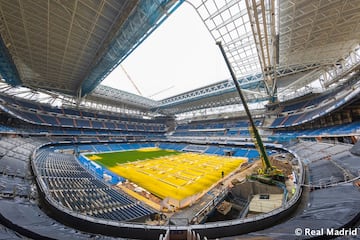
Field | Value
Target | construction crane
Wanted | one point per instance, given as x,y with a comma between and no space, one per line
161,91
133,83
268,173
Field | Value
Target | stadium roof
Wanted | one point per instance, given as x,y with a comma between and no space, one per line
294,36
71,46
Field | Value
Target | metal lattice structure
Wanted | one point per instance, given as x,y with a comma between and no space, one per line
228,22
320,32
127,99
276,48
294,36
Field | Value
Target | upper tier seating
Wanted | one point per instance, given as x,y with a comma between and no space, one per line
215,128
313,107
343,129
322,109
40,114
307,103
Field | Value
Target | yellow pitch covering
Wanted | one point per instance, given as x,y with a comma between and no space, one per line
178,176
94,157
149,149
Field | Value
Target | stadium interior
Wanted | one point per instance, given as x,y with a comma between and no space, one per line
298,66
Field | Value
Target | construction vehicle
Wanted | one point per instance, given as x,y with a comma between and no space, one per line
267,174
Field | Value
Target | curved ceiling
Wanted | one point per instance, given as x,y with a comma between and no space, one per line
69,46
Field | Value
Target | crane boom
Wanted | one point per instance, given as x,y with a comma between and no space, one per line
257,138
267,170
161,91
133,83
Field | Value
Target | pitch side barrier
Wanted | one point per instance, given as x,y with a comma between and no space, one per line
142,231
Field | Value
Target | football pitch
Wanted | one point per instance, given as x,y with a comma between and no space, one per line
167,173
112,159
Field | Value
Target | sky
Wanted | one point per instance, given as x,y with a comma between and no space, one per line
179,56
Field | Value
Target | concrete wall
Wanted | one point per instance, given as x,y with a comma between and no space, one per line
246,189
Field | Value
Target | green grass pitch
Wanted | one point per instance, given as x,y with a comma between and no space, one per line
113,158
